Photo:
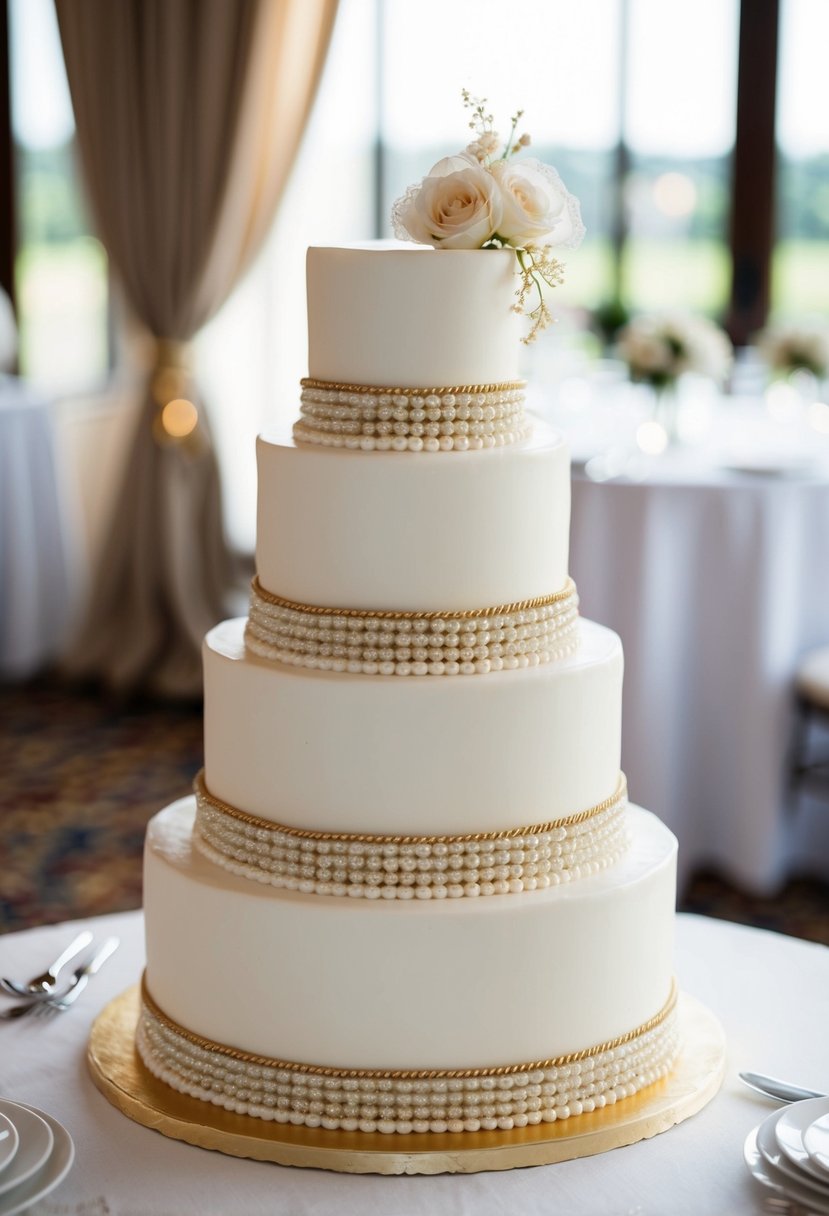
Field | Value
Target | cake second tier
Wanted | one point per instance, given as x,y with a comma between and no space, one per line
414,532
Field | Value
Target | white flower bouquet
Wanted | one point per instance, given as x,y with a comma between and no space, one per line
796,348
657,349
483,199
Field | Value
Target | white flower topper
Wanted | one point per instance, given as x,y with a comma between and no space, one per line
477,200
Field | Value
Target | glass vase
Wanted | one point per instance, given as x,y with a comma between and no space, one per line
665,409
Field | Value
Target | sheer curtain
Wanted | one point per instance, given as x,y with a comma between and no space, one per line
189,114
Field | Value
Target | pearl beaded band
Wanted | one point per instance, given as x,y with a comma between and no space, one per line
466,417
522,634
369,1100
411,867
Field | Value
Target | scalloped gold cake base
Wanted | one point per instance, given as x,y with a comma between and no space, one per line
122,1078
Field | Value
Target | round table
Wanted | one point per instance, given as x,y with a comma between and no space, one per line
711,561
768,991
36,576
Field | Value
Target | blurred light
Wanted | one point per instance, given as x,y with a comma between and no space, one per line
651,437
675,194
606,465
819,416
179,418
783,401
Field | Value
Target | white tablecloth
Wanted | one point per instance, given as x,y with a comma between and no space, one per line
36,583
770,992
716,582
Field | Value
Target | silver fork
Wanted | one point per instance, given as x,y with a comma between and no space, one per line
82,976
44,985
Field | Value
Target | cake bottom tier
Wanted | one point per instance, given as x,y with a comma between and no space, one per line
401,1101
462,992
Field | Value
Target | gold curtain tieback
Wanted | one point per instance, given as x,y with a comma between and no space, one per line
170,386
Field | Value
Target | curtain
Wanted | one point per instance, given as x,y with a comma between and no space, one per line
189,114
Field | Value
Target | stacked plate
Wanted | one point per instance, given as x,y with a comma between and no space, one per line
36,1153
789,1154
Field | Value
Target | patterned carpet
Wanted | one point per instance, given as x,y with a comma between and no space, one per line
82,774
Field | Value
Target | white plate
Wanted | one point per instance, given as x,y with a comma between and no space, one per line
768,1176
9,1141
770,1148
816,1144
770,466
36,1141
48,1176
789,1131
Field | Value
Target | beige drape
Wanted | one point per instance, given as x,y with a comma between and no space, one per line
189,114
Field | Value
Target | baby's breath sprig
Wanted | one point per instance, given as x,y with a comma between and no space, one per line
537,266
509,146
481,122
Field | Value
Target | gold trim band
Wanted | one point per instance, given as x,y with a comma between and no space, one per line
439,643
509,834
473,614
419,1074
507,386
361,865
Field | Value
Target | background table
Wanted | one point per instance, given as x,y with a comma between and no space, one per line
771,994
37,566
717,581
716,585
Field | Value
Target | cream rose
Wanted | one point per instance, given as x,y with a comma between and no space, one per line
537,209
457,206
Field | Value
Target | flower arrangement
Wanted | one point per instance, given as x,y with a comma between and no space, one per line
797,348
483,199
658,348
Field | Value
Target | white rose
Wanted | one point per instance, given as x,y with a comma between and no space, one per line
537,209
457,206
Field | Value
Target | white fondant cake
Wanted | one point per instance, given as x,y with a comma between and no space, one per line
409,894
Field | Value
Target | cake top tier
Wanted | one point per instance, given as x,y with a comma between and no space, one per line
400,315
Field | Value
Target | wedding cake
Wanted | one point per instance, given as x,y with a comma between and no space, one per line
409,894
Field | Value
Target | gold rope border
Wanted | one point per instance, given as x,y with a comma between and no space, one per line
330,386
323,1070
202,793
540,601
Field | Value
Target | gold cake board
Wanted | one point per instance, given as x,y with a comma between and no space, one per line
119,1073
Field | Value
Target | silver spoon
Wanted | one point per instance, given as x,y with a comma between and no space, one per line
781,1091
44,985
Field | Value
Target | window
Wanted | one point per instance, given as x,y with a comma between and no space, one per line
60,270
800,269
679,129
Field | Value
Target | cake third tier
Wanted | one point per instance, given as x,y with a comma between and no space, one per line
337,752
